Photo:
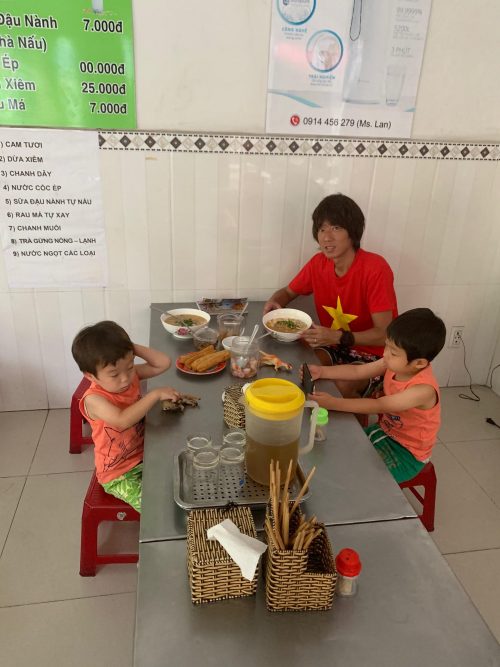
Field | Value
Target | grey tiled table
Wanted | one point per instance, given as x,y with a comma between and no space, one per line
351,484
410,611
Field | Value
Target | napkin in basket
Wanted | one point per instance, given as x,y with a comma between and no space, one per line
243,549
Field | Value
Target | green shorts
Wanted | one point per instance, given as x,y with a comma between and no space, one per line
401,463
127,487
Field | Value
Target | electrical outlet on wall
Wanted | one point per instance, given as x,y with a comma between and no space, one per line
456,336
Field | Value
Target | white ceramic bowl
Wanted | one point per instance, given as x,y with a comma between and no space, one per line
286,314
227,342
172,328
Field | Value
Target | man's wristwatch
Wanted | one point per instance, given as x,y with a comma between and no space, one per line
347,339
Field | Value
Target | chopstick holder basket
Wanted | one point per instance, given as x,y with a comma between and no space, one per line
234,410
213,575
299,580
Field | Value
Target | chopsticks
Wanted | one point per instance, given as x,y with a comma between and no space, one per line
306,531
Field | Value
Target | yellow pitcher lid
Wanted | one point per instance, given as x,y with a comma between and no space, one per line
272,396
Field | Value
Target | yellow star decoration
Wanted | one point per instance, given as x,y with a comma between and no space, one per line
340,319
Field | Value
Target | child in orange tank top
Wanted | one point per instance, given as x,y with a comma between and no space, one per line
410,408
113,404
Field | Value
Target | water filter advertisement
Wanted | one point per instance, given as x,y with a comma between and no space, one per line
345,67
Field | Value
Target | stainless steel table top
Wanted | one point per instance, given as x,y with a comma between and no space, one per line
351,483
409,611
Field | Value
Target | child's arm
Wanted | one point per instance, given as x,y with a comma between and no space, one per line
348,371
421,396
156,362
98,407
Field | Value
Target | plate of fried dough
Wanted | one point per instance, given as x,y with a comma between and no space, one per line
203,362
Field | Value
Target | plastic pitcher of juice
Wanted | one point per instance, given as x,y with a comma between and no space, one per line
273,421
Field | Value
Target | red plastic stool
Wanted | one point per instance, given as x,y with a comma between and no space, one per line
100,506
77,420
426,478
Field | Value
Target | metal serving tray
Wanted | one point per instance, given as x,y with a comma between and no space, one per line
229,490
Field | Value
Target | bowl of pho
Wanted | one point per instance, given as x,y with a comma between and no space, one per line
184,321
286,324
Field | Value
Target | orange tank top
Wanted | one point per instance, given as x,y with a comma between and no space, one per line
116,452
414,429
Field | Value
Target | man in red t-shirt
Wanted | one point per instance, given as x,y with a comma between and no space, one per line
353,289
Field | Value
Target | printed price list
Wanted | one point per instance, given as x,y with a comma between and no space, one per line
45,83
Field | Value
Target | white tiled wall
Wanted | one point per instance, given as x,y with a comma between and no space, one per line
185,225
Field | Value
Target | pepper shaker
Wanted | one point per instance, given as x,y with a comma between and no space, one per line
348,568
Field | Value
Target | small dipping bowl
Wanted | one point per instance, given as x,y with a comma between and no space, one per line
227,342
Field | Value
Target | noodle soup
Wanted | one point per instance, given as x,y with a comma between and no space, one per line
288,325
184,320
190,319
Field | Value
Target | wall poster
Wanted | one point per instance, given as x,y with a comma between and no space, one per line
51,220
67,63
349,67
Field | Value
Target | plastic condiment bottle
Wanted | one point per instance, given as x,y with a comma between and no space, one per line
348,568
321,422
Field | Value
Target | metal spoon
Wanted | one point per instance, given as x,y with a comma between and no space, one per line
254,333
242,361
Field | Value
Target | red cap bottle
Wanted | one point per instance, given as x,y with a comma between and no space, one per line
348,568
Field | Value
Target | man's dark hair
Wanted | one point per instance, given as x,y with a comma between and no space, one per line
342,211
419,332
99,345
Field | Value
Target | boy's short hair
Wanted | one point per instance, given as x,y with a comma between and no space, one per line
342,211
419,332
99,345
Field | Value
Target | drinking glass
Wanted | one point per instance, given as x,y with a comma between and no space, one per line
230,325
206,474
244,357
232,463
235,438
195,443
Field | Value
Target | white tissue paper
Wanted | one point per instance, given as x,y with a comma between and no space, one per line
243,549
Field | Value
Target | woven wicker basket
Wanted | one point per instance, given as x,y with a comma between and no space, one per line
213,575
300,580
234,410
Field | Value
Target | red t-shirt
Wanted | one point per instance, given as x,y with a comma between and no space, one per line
366,288
115,452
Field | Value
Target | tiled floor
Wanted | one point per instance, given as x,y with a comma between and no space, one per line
51,616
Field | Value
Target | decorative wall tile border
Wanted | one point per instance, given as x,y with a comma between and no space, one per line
177,142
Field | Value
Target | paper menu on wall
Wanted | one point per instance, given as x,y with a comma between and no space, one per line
51,219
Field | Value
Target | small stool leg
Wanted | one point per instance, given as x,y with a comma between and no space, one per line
88,544
75,428
429,504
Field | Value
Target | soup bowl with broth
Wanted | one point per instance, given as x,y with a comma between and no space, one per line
190,319
286,324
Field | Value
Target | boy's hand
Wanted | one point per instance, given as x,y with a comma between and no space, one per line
156,362
315,371
167,394
323,399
